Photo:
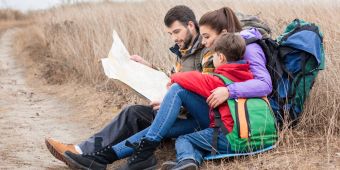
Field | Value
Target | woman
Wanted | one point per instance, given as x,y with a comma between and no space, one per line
143,144
213,24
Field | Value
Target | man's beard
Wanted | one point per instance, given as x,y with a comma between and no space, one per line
187,40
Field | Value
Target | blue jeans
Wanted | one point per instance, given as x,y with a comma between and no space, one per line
198,144
166,123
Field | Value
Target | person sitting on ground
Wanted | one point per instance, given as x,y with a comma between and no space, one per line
228,51
183,28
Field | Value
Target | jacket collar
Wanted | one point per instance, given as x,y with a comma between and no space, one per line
196,46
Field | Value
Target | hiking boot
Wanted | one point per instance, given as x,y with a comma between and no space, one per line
97,160
143,157
168,165
186,164
57,148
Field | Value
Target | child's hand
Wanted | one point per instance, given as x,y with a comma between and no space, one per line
168,84
155,105
218,96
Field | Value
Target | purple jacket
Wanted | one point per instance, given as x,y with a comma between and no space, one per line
261,85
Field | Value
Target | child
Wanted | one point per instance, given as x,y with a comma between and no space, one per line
228,52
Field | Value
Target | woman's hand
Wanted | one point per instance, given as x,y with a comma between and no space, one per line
218,96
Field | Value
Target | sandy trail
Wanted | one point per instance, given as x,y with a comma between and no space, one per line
27,116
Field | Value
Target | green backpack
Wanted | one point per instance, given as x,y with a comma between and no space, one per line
254,124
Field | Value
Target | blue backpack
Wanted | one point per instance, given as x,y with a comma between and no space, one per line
294,60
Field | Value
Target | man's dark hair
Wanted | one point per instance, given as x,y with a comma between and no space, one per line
182,14
231,45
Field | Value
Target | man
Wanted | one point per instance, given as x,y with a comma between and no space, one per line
183,28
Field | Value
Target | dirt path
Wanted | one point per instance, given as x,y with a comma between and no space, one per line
27,117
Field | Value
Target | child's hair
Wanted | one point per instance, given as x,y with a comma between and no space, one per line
231,45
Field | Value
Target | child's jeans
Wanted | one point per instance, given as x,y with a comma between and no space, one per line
199,144
166,123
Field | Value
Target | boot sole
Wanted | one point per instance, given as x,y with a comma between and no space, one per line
75,165
151,168
54,152
168,165
190,166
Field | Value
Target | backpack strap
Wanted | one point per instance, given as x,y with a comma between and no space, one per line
273,63
302,76
224,79
242,118
251,40
218,125
217,117
242,123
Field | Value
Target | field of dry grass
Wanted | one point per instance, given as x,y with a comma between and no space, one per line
63,46
12,18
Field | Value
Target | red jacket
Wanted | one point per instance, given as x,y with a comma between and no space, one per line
203,84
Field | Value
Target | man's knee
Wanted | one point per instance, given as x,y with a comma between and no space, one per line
138,110
138,113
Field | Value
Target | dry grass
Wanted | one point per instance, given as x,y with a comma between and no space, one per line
65,44
9,14
12,18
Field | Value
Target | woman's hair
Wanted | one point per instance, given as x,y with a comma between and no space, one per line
231,45
220,19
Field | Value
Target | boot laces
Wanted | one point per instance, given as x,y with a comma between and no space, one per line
136,147
97,152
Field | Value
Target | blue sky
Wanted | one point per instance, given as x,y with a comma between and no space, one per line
25,5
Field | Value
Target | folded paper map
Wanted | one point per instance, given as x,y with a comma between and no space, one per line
145,80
